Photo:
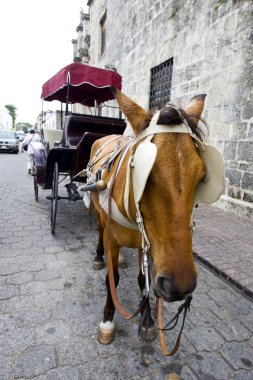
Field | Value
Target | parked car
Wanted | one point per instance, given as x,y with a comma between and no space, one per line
20,135
8,141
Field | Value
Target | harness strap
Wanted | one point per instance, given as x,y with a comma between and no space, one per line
106,200
30,141
93,161
114,295
116,215
155,129
183,308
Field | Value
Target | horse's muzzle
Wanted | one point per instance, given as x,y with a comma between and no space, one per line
169,291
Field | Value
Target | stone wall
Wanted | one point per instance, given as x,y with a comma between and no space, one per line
211,45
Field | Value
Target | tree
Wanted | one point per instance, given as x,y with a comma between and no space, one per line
12,111
24,126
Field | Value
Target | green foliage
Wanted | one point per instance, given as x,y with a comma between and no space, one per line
12,111
25,126
219,3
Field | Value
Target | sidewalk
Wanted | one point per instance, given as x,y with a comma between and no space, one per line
224,243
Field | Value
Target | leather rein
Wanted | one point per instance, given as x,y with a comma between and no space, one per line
145,292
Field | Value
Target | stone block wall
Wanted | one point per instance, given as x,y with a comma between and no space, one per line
211,45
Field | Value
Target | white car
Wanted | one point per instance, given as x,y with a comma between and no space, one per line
8,141
20,135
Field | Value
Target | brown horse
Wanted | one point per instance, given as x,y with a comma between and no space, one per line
165,206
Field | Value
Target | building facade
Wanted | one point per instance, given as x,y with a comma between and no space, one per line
5,119
175,49
50,120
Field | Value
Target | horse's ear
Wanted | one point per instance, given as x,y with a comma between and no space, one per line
137,116
195,107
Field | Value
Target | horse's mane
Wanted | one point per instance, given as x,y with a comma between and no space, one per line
172,116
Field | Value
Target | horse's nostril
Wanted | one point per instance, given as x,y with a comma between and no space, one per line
169,289
165,284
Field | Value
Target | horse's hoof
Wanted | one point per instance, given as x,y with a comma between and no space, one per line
173,376
150,335
98,265
122,262
106,332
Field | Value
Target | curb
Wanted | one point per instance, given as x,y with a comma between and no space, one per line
224,276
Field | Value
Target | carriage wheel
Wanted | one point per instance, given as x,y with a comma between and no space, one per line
35,184
54,196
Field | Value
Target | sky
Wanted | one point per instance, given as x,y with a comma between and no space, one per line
35,43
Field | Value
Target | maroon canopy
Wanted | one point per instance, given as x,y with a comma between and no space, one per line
86,84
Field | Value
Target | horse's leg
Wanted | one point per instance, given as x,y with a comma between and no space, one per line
98,262
107,326
147,328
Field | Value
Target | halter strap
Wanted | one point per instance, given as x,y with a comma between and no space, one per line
155,128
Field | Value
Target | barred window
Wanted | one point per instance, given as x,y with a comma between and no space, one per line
160,85
103,33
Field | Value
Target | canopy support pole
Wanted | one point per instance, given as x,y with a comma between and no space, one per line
61,117
42,114
67,104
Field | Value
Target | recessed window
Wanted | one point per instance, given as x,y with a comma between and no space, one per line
103,33
160,85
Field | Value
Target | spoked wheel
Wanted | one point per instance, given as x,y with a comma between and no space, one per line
36,189
54,196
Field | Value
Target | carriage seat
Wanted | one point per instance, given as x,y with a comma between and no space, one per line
75,127
52,136
83,151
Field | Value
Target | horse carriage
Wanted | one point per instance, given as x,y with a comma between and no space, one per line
64,153
143,186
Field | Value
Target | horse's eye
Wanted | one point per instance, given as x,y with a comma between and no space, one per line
203,179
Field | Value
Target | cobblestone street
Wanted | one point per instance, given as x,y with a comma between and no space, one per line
51,302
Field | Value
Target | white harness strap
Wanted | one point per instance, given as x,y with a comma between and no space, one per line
155,128
141,163
116,215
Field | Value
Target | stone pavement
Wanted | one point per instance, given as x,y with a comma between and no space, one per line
51,301
224,242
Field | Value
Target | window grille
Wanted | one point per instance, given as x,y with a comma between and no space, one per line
103,33
160,85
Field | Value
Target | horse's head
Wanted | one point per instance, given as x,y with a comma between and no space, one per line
168,199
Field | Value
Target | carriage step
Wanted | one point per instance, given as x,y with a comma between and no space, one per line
72,191
51,197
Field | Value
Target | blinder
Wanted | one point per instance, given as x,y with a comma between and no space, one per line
143,161
211,187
